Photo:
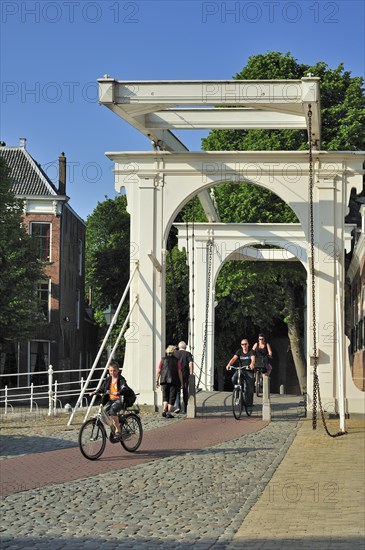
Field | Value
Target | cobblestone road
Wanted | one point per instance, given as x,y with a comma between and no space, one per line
201,499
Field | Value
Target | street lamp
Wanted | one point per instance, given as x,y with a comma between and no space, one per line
109,314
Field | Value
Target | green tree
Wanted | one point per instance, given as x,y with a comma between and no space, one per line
177,276
177,292
107,252
107,257
255,294
342,109
20,269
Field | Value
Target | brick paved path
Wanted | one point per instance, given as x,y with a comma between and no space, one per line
41,469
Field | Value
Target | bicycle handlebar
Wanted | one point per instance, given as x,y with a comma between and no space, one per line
240,368
102,393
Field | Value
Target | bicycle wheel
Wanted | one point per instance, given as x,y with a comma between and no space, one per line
132,432
237,401
248,408
92,439
258,384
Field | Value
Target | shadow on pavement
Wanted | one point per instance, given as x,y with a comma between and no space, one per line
133,541
286,407
17,445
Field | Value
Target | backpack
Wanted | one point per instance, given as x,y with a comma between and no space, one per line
169,373
129,396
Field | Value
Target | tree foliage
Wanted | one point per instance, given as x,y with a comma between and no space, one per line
342,109
20,268
107,252
177,291
107,261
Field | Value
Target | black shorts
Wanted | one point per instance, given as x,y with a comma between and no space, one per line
169,392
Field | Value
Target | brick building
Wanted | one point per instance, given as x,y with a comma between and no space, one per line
69,339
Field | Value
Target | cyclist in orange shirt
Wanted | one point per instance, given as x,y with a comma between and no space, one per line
113,387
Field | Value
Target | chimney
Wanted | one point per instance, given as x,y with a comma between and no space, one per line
62,174
22,142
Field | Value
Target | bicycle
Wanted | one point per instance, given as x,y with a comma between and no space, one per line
259,380
238,395
92,435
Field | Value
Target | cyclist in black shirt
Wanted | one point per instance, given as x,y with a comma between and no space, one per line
263,354
246,358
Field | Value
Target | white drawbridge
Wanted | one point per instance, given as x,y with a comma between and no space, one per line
160,182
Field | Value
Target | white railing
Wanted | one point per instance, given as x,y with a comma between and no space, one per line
52,392
110,358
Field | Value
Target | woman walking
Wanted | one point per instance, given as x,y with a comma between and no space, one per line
169,377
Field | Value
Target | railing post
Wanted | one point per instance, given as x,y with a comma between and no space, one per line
55,399
6,399
191,411
50,393
31,396
266,406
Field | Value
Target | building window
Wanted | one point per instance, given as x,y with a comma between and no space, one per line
38,362
9,365
42,231
43,293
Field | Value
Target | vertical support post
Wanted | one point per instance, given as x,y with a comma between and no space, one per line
50,393
55,399
191,410
31,396
6,399
339,362
266,405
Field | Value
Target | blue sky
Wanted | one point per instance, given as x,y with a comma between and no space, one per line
53,52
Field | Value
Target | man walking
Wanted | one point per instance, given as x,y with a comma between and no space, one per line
187,363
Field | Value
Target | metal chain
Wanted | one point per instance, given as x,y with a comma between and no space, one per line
187,263
209,277
314,321
192,320
316,388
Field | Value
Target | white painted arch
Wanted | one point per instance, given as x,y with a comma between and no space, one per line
159,183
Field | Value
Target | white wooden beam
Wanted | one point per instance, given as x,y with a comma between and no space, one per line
193,119
209,92
145,105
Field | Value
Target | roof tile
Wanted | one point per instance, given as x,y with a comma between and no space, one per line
27,176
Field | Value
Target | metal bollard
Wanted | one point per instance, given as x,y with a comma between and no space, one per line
281,390
191,411
266,406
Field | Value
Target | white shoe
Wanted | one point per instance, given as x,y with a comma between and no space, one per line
176,411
